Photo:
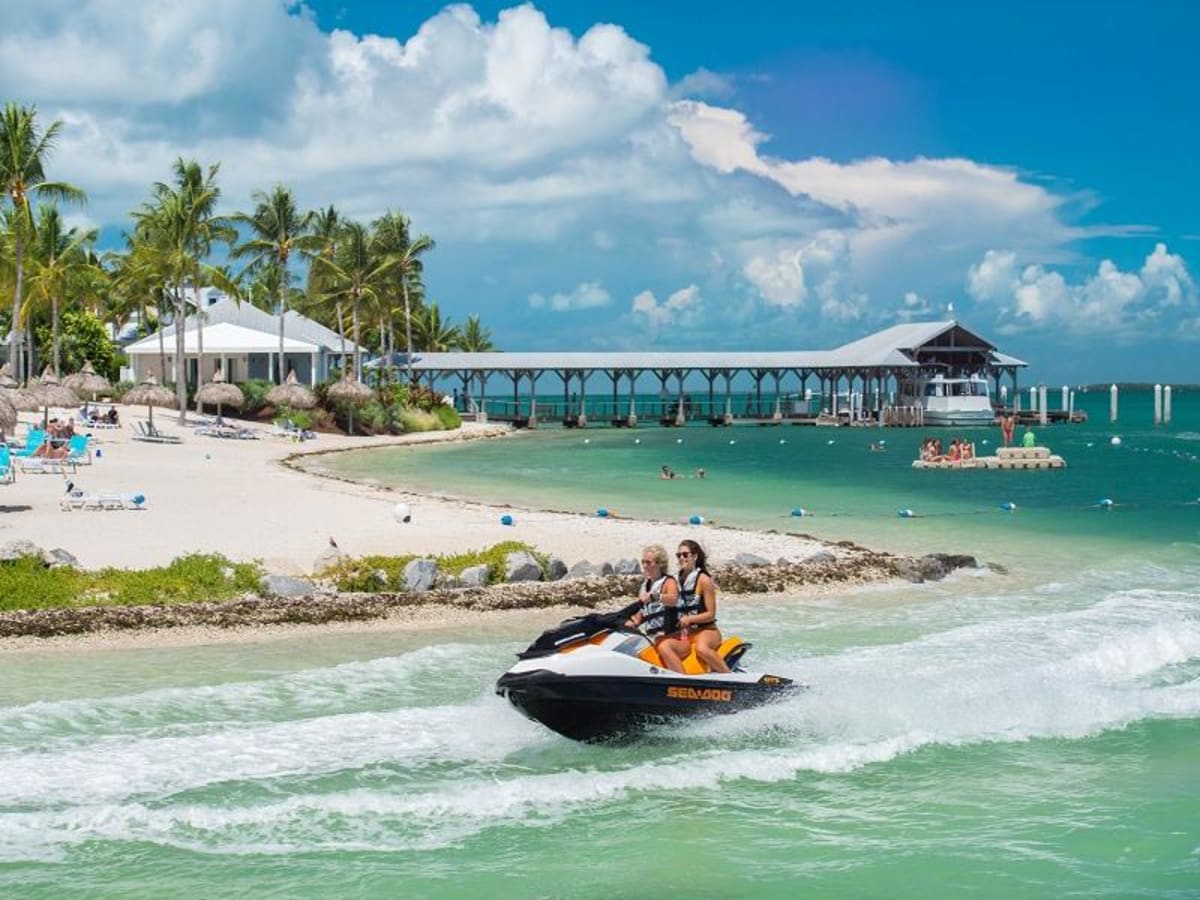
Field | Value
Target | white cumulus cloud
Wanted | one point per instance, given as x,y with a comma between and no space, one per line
680,309
588,295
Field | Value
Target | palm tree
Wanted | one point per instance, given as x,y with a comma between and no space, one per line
432,334
277,229
395,237
355,275
326,226
474,338
178,228
60,266
24,152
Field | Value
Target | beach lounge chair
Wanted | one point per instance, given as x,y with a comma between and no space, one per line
44,465
33,441
104,500
7,473
144,431
78,450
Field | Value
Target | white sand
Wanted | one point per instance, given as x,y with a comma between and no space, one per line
237,498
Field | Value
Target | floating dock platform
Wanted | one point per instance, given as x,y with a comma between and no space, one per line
1005,458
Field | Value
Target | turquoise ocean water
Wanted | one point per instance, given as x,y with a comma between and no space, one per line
1035,734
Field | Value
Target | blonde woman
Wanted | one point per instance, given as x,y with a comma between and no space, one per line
658,617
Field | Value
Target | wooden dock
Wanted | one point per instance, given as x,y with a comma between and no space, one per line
1005,458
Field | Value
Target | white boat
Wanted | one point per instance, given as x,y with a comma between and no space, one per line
952,402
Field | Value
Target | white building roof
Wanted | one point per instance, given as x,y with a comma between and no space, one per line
223,338
295,325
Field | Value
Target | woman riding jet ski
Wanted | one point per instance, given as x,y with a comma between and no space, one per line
592,678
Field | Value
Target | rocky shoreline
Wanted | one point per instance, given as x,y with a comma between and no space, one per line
853,565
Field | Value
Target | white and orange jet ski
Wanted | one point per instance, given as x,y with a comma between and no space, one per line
592,678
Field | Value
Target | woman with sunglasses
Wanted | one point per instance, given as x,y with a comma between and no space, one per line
658,617
698,607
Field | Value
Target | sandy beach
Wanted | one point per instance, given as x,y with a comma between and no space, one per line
239,498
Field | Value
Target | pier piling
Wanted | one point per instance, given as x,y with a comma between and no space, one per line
1112,403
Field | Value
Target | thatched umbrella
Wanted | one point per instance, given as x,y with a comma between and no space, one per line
8,414
219,392
350,391
291,393
87,383
150,393
50,393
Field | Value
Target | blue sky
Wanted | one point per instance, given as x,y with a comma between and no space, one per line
669,174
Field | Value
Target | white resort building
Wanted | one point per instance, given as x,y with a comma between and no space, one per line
243,341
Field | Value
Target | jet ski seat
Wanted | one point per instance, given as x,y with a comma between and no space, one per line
732,650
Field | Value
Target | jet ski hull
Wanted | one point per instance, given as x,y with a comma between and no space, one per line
600,707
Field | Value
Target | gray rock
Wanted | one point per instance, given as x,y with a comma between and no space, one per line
420,575
14,550
581,569
627,567
934,566
474,576
286,586
58,558
521,566
449,581
606,568
327,560
556,569
821,556
750,560
380,577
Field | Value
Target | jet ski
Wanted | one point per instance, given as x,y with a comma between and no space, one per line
592,678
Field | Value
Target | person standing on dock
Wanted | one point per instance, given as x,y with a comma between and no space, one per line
1007,424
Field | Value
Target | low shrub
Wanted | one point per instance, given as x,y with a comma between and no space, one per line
120,389
27,584
255,393
448,416
417,420
297,417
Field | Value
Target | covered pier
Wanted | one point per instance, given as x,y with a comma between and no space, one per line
857,382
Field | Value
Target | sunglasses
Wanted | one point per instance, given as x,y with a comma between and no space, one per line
682,555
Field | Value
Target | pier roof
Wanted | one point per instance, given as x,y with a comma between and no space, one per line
907,346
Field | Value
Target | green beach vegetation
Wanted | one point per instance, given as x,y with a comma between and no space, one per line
26,583
70,302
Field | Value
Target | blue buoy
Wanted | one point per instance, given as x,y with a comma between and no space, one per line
98,453
696,520
506,519
906,513
138,499
1008,506
602,513
799,512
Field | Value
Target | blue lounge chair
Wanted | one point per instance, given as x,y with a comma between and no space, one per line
78,451
7,473
33,441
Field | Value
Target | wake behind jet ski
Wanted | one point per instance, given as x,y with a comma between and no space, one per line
592,678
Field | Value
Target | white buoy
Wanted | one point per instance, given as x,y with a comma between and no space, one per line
1158,404
637,440
782,441
1112,403
1116,441
587,440
1166,405
731,443
830,441
401,513
679,440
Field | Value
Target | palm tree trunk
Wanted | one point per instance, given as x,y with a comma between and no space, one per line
14,336
180,361
55,336
407,331
354,319
162,345
199,344
341,333
279,379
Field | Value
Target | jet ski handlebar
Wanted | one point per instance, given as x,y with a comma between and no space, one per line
581,628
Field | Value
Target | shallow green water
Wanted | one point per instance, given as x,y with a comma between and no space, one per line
1029,735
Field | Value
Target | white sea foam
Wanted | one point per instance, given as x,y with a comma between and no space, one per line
1059,664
